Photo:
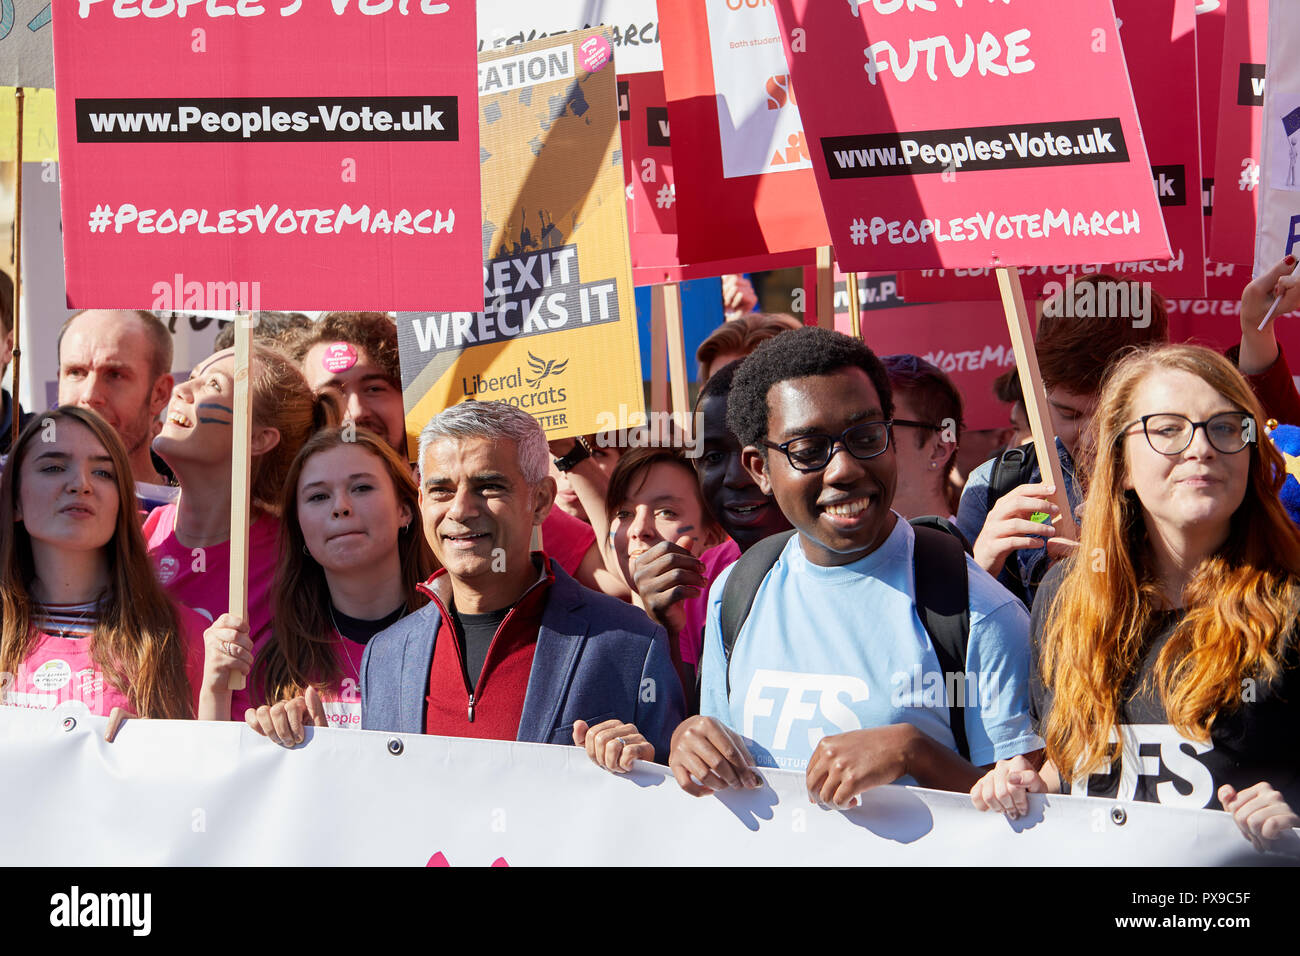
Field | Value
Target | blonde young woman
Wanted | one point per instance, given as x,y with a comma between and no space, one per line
1167,667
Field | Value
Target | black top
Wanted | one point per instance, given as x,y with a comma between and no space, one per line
1258,740
360,631
475,633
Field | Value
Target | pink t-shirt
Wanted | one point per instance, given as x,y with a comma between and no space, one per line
691,640
61,669
566,539
199,578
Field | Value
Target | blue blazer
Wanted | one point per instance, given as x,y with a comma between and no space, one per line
597,658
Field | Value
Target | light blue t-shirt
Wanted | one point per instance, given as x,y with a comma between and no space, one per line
829,650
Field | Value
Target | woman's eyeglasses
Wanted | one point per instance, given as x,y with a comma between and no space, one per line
1169,433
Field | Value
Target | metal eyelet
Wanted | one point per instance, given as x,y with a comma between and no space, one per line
1118,816
69,724
395,746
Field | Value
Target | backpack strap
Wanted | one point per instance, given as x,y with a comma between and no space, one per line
742,586
943,604
1011,469
939,523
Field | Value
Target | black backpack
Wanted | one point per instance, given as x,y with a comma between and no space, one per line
942,600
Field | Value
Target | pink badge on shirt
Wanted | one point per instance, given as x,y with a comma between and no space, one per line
339,357
58,670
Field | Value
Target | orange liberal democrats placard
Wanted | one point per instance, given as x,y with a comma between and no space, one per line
557,335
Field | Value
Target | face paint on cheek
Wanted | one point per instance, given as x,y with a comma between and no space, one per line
211,407
338,357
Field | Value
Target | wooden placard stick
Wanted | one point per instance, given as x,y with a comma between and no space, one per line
658,349
678,376
855,305
241,468
825,288
1031,383
19,96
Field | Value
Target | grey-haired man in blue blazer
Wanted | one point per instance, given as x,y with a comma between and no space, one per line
509,646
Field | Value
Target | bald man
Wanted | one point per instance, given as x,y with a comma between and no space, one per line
118,364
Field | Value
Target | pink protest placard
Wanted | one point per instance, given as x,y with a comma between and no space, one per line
1209,65
303,156
1159,38
1241,115
972,134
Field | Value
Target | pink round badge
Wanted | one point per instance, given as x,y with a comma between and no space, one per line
594,54
339,357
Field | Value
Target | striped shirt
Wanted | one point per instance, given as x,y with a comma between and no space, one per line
72,621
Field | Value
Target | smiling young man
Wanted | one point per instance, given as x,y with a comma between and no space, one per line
832,671
510,647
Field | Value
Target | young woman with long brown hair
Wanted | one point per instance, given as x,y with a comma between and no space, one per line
189,541
82,616
352,557
1174,625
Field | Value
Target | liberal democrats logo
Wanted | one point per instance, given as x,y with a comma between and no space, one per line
543,369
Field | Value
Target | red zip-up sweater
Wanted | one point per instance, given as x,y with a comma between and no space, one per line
492,708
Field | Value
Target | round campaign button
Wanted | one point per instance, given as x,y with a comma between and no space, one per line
594,54
339,357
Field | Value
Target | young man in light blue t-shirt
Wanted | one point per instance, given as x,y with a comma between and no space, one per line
833,672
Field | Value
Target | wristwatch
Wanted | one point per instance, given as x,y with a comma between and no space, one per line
581,452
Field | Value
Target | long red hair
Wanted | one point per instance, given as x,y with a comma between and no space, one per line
1240,603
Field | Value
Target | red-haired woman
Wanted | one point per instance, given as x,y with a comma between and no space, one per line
1174,627
82,617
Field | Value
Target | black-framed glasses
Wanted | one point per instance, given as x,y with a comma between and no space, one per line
814,452
1169,433
911,424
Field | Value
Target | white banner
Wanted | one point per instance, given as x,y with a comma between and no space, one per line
757,116
635,26
1278,232
202,794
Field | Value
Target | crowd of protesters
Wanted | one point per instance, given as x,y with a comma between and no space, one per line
814,588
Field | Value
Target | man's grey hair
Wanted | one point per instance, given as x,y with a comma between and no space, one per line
492,420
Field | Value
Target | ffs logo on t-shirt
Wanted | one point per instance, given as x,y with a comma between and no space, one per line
819,703
1155,752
